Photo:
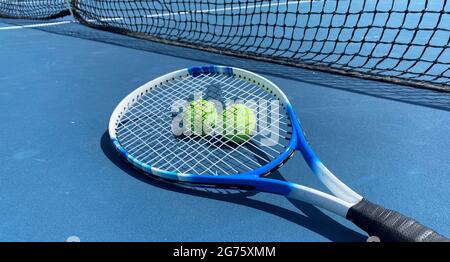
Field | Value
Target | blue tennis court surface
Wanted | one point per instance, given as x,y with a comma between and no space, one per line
61,178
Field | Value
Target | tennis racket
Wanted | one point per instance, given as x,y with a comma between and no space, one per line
142,127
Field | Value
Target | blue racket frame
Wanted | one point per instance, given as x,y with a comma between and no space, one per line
374,219
252,179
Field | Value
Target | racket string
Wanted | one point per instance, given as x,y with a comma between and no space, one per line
201,155
149,106
241,87
158,143
176,155
191,156
218,153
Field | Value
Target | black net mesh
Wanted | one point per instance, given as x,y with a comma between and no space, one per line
401,41
34,9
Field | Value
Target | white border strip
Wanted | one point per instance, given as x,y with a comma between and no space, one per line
35,25
240,7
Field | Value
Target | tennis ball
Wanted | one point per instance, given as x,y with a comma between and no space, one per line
199,117
239,123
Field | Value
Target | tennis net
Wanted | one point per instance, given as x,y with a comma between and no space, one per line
34,9
401,41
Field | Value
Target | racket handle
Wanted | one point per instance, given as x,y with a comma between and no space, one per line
390,225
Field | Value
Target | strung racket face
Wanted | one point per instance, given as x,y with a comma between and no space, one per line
148,127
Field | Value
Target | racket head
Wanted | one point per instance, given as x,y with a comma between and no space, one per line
141,129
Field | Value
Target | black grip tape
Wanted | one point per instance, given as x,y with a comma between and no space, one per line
390,225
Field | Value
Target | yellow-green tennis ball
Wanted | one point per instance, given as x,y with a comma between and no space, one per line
199,117
239,123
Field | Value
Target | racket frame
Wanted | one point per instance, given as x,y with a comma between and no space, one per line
376,220
340,203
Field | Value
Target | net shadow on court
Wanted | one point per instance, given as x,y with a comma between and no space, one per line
385,90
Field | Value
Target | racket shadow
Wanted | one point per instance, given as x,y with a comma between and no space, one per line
313,219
